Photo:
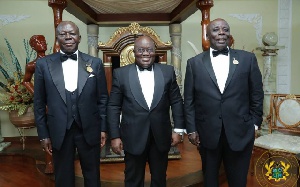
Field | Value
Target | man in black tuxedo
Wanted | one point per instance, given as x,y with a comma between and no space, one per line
144,92
223,102
70,99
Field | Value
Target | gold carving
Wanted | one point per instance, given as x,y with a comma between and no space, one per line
290,96
134,29
127,55
277,168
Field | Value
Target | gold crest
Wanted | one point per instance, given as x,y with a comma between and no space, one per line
235,61
277,168
89,68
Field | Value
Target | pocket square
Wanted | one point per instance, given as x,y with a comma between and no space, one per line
91,75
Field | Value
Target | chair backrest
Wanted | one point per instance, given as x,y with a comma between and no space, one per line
118,50
284,113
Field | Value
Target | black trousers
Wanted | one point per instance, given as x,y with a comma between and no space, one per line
135,166
64,158
236,163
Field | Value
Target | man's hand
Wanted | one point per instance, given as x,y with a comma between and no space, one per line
46,145
176,138
103,139
194,138
117,145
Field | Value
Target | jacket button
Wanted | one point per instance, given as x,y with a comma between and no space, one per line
220,117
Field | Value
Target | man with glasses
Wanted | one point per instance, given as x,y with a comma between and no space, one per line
144,93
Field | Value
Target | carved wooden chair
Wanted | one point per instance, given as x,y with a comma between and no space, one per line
283,139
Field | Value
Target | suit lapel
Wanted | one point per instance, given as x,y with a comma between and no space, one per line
56,71
82,72
232,56
207,63
136,88
158,86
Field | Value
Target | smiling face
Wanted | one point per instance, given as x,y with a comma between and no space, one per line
144,51
68,37
218,34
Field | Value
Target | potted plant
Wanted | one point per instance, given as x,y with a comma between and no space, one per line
14,97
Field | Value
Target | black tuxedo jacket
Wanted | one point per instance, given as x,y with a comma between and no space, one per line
49,90
238,108
126,96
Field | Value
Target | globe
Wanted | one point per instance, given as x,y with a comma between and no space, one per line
270,39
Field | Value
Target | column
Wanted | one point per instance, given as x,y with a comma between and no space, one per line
58,7
176,57
205,6
269,75
92,33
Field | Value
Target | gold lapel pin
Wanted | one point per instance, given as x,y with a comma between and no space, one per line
235,61
89,68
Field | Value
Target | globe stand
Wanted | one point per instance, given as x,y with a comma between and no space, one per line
269,74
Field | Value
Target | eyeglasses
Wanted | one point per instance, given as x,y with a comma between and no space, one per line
142,50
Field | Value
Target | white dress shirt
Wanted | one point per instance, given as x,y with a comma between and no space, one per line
70,71
147,83
220,65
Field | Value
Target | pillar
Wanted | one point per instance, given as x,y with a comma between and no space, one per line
92,33
205,6
269,75
58,7
176,57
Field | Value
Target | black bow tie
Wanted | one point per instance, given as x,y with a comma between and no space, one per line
142,69
222,52
64,57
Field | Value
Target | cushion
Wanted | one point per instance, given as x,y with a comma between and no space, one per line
288,143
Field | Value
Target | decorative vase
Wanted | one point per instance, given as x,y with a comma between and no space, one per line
23,121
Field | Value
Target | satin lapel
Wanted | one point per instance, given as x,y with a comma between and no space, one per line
56,71
82,73
207,63
158,86
232,56
136,88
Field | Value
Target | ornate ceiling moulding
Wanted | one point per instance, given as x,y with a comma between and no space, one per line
119,13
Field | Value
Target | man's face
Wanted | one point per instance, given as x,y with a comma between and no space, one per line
68,37
144,51
218,34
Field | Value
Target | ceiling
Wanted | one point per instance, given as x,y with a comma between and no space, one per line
121,12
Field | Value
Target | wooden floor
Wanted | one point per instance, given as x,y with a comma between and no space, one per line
20,168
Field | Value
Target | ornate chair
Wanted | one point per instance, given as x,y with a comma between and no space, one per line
282,142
